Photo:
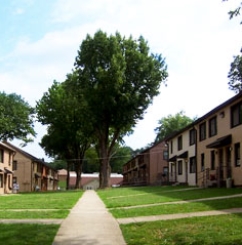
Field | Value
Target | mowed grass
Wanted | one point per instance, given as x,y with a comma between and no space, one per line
125,197
27,214
210,230
39,205
178,208
27,234
40,200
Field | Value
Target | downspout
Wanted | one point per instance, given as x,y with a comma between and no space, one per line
196,177
31,177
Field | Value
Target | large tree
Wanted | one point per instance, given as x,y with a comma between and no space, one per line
171,124
118,78
62,112
16,118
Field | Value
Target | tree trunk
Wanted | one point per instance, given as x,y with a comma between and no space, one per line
68,176
78,168
104,175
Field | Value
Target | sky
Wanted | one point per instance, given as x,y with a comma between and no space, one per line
40,38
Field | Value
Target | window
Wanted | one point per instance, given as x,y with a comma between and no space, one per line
179,143
192,136
202,162
1,155
179,167
165,155
165,171
192,164
15,165
171,147
212,158
9,158
14,179
237,154
236,115
202,131
212,126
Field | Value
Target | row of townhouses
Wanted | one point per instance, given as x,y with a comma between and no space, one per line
205,153
22,172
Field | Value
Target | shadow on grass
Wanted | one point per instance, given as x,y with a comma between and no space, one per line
27,234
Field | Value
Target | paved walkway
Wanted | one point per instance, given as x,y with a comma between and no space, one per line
89,223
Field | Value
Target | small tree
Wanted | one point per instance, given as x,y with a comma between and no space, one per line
62,112
171,124
16,118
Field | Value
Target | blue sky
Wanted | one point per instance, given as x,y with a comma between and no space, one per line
40,39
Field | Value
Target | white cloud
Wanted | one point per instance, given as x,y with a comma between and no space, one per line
196,37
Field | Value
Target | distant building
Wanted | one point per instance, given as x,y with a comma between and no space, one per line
31,173
150,167
89,181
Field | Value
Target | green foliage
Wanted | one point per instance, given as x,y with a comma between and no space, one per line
58,164
118,79
235,74
16,118
62,112
171,124
119,158
91,161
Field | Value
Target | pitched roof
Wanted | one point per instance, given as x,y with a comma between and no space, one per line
26,154
200,119
6,146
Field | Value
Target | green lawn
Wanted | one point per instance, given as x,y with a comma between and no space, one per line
40,200
117,197
27,234
221,229
27,214
178,208
38,205
210,230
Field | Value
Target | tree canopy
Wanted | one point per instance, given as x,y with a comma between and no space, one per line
171,124
16,118
118,79
62,112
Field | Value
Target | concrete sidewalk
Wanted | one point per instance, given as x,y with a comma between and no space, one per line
89,223
178,216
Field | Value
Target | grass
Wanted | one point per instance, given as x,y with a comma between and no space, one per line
210,230
27,234
178,208
26,214
38,205
221,229
116,197
40,200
